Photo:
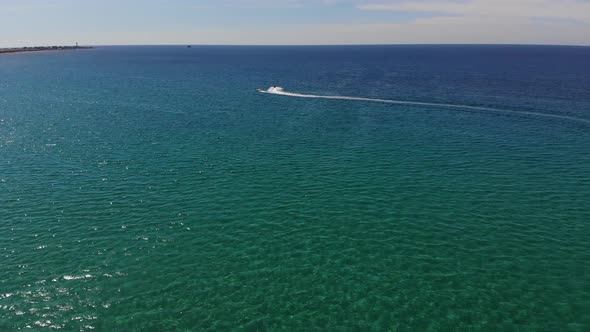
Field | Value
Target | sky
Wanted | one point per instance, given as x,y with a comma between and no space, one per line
293,22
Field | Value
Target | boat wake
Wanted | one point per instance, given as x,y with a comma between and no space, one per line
277,90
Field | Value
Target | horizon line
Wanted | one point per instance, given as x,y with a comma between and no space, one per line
309,45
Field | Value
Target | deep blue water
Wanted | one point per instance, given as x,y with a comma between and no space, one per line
151,188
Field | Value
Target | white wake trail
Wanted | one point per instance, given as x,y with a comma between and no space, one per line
275,90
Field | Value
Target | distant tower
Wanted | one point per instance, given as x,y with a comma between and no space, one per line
76,44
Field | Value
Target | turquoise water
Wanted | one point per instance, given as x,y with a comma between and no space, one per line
152,189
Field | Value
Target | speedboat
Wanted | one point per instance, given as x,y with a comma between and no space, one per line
272,89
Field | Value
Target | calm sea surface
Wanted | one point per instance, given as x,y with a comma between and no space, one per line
152,189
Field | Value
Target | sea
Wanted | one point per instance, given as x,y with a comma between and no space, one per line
152,188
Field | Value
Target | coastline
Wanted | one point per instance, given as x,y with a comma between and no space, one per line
42,49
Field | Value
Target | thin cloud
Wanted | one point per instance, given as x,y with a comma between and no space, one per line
526,9
436,30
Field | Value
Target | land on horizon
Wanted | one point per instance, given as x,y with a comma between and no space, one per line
43,48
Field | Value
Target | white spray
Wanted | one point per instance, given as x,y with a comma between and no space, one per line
277,90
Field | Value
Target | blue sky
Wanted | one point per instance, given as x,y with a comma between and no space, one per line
110,22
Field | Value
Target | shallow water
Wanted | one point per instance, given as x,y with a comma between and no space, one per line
152,188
